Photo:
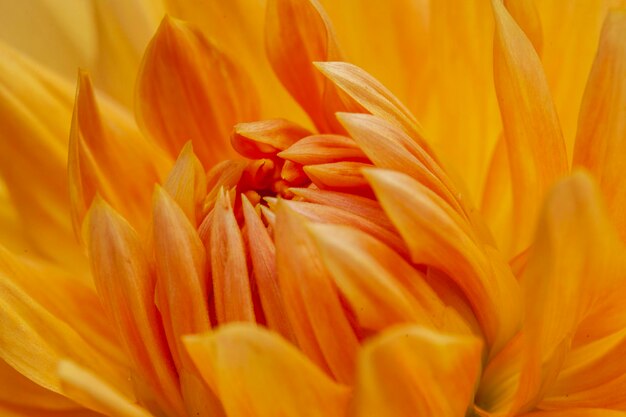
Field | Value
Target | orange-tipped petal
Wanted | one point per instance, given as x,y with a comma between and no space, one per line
91,391
126,286
182,275
225,174
305,26
343,175
252,369
412,371
381,286
533,135
437,236
322,149
263,255
265,138
373,96
190,90
231,283
311,298
601,138
187,184
108,156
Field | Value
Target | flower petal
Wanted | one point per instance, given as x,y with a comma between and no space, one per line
322,149
410,370
91,391
601,137
126,286
437,236
108,156
578,412
190,90
182,276
263,255
231,283
265,138
310,38
533,135
311,299
253,367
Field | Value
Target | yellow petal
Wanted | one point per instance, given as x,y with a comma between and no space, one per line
575,240
437,236
231,283
373,97
525,13
410,370
254,368
188,89
311,38
381,286
91,391
26,324
311,299
600,141
104,152
35,112
187,184
182,276
533,135
126,286
263,255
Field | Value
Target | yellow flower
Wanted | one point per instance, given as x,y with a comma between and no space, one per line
275,233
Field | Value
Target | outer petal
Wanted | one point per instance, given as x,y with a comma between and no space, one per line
108,156
578,412
437,236
188,89
35,112
253,369
126,285
535,143
96,394
601,138
411,371
298,33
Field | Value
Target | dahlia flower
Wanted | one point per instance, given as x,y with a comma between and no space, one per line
313,208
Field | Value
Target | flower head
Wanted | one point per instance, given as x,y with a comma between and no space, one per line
275,234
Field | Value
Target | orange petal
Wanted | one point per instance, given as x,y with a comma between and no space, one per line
373,96
535,143
527,17
322,149
263,255
377,225
104,153
343,175
600,142
305,24
94,393
231,283
411,371
126,287
225,174
437,236
381,286
311,299
182,275
253,367
187,184
578,412
265,138
190,90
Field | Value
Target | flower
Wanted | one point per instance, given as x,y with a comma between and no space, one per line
245,261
